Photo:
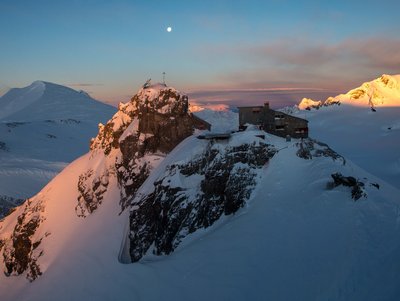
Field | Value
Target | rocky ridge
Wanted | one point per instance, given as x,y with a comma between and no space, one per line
127,148
134,141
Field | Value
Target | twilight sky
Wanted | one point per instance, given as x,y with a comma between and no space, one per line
110,48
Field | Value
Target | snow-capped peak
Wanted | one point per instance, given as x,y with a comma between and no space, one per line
381,92
309,103
37,83
196,107
46,101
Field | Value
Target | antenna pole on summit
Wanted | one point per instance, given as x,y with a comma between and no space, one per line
163,78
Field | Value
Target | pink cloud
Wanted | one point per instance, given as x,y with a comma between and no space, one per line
301,62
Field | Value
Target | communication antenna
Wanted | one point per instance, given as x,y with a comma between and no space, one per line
164,78
147,83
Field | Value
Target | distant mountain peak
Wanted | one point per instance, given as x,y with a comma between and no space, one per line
3,89
383,91
43,100
38,83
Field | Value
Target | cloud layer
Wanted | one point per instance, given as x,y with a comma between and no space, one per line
300,62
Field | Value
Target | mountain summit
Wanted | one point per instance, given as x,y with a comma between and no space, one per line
381,92
43,127
48,101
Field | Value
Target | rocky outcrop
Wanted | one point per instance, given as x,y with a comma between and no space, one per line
135,140
91,189
309,148
357,187
21,249
194,195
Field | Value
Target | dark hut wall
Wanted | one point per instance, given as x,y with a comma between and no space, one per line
274,122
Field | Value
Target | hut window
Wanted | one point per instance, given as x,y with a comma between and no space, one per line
256,110
280,127
279,116
301,130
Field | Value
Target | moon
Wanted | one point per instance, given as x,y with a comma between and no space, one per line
169,28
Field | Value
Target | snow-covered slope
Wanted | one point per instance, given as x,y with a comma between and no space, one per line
42,128
241,219
370,139
381,92
294,232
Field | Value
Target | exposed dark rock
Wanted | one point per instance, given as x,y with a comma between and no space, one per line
70,121
153,122
21,249
15,124
357,187
91,190
357,93
376,185
224,181
309,148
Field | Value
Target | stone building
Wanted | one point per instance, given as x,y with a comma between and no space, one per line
273,122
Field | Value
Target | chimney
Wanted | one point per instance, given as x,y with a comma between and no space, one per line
266,105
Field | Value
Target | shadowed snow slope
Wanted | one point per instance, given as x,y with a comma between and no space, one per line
369,139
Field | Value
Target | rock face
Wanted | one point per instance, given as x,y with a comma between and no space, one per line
194,195
309,148
357,187
21,249
133,142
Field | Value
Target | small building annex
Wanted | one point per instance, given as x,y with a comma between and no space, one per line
273,122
